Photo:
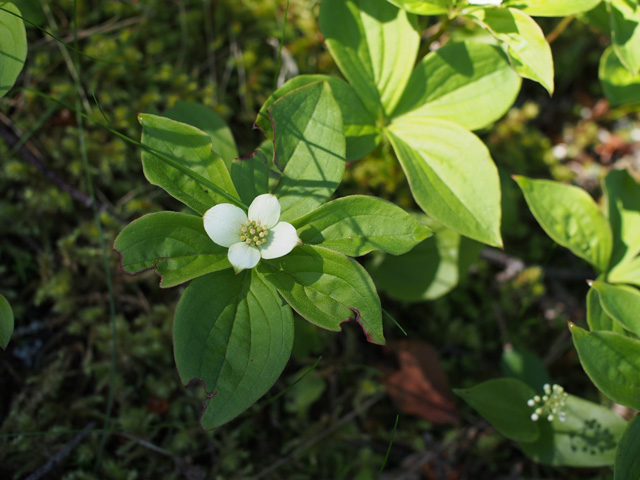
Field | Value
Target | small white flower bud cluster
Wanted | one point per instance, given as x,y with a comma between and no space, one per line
550,405
253,233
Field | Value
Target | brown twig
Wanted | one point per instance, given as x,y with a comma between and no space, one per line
30,155
513,265
62,454
183,468
106,27
322,435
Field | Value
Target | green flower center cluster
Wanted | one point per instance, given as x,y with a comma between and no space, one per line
551,404
253,233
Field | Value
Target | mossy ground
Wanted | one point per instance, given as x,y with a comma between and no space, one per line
55,377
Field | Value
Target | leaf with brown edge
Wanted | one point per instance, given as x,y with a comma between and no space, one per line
420,387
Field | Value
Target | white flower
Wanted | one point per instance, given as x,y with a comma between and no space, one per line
251,236
485,2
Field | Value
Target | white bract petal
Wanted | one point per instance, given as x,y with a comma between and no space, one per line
282,238
265,209
223,223
485,2
243,256
251,236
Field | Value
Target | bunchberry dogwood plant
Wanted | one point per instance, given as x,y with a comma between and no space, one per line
250,265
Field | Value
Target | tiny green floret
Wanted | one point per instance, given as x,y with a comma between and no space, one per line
253,233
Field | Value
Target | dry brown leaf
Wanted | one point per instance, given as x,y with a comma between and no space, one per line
420,386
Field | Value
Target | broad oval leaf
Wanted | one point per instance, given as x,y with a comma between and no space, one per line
619,84
625,33
174,244
189,147
6,322
552,8
309,148
622,195
365,38
451,175
527,47
620,302
207,120
503,403
612,362
570,217
424,7
587,438
626,272
525,366
13,45
327,289
363,135
251,176
430,270
627,464
469,83
358,224
234,334
597,318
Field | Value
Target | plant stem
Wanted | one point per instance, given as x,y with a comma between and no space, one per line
444,25
561,27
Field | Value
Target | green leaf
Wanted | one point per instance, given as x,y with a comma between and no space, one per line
234,334
309,148
424,7
251,176
598,18
587,438
619,84
191,148
359,125
622,197
469,83
597,318
430,270
525,366
570,217
552,8
174,244
451,175
327,289
627,464
527,47
621,303
204,118
6,322
31,12
625,33
365,38
612,362
13,46
503,403
626,272
356,225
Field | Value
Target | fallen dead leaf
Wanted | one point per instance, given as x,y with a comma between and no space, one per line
420,386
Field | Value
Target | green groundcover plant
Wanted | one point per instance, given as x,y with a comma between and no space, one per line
249,266
261,237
